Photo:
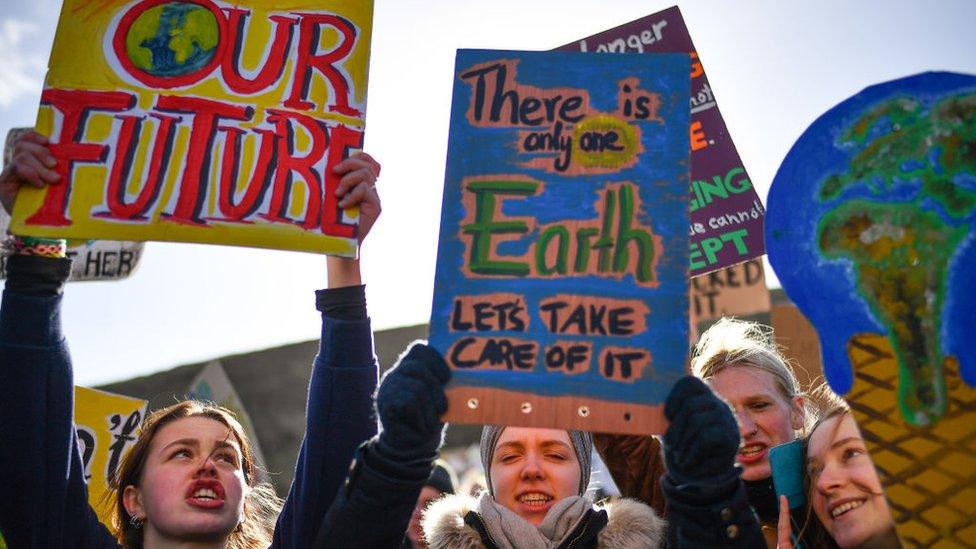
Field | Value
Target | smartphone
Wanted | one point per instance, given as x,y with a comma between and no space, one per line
786,461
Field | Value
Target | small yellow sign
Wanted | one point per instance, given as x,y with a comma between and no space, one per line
107,425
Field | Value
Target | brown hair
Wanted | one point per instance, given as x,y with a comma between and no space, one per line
833,406
813,533
732,342
261,503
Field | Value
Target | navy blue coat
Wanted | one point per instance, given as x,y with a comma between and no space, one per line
44,500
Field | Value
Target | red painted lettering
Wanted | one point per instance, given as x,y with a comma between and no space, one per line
308,59
206,113
74,107
274,63
125,153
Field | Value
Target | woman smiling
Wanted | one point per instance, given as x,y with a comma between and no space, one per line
740,363
537,478
845,493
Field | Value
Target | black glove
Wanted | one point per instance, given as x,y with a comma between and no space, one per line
409,404
701,443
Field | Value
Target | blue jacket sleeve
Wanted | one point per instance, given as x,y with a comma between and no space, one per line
45,500
339,418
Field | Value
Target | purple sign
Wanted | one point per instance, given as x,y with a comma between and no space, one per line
726,215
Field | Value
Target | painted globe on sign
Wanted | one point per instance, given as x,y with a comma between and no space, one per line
172,39
871,228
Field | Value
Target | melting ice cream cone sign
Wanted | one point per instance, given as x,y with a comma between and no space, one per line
203,121
871,229
561,290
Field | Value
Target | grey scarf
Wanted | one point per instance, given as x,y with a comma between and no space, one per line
510,531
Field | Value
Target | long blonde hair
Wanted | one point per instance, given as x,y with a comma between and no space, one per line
732,342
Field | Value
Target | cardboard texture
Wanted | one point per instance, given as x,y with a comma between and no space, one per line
726,223
196,122
561,290
799,342
929,473
739,290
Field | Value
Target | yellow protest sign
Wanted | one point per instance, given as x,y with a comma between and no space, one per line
203,121
107,425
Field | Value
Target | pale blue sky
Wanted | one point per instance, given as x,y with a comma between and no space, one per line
774,67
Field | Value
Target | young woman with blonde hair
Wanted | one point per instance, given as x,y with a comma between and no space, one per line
739,361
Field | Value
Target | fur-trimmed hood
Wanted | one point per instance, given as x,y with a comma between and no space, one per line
631,525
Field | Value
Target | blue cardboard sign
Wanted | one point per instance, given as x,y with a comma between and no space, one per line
561,290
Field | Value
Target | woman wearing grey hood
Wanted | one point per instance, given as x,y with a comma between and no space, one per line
536,480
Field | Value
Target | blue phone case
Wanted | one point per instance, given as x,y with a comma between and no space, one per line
786,461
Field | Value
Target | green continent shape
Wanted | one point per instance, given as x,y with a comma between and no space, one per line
143,28
911,137
199,28
901,256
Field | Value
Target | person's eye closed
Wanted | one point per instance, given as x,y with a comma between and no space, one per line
508,458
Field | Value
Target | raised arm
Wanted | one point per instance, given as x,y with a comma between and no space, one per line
339,415
706,499
45,500
373,508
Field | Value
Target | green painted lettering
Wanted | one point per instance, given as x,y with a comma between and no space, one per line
542,249
485,226
626,235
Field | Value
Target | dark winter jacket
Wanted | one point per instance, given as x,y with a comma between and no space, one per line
45,501
372,510
720,518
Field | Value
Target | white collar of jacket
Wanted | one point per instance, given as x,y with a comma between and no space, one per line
631,524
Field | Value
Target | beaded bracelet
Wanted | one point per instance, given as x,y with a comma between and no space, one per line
30,245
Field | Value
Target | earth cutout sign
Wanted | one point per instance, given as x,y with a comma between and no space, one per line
871,228
883,240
